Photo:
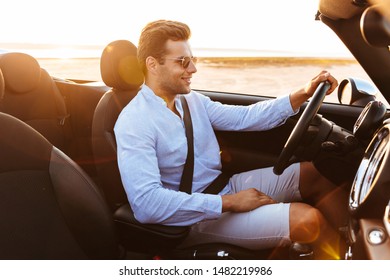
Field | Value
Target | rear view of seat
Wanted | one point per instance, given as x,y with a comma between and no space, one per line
49,208
32,96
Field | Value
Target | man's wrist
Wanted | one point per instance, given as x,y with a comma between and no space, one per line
226,202
297,98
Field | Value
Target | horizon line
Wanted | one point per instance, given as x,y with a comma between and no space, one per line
57,51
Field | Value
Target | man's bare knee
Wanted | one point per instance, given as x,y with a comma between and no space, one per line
305,223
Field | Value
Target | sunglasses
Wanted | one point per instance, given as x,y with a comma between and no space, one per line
185,61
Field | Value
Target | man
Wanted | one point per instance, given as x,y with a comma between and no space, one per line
256,209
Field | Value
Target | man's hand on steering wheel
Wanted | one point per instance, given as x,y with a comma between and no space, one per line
320,86
297,98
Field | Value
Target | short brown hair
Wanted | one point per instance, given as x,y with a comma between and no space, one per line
154,36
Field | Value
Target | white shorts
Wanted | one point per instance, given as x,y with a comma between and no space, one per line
261,228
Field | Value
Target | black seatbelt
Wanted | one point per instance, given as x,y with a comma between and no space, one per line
188,172
186,179
218,184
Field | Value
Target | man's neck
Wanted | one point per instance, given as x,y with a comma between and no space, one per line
168,98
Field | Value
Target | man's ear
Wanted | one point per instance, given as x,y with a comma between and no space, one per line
151,64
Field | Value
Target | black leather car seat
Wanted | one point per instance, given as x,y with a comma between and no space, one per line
119,70
49,207
32,96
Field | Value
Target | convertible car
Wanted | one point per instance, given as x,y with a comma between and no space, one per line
61,195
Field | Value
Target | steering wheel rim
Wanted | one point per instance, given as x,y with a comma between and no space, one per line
300,128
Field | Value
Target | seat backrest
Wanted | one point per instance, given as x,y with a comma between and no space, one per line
32,96
120,71
49,208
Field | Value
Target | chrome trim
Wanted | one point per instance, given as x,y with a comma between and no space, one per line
369,167
348,253
376,236
222,254
386,218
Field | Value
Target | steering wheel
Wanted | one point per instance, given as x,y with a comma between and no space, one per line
300,128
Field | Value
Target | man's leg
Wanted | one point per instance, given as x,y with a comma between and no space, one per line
318,225
308,225
270,225
265,227
330,199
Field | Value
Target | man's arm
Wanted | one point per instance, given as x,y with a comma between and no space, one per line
298,97
250,199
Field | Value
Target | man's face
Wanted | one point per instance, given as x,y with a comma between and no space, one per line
172,77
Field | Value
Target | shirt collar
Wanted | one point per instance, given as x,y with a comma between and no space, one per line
149,94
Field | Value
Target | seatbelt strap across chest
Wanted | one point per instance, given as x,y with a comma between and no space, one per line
188,172
186,180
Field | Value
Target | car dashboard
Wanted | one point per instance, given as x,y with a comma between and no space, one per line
368,230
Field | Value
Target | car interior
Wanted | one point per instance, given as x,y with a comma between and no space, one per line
61,192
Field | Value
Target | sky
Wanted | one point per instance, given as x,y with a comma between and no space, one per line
279,25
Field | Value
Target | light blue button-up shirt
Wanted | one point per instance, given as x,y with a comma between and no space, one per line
152,150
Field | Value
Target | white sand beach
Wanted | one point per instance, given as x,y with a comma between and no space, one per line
259,76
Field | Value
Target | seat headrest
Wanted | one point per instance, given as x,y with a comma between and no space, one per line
21,71
119,66
2,86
